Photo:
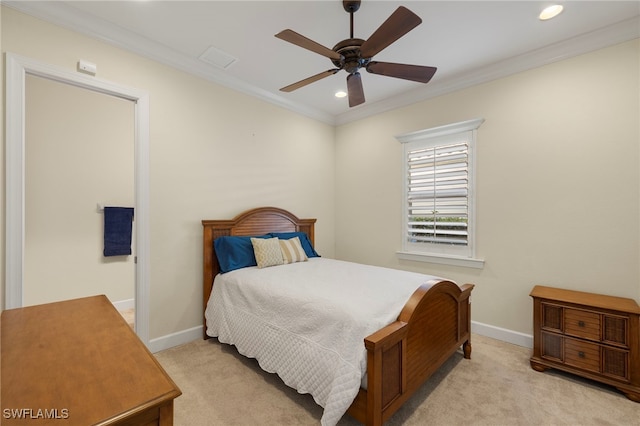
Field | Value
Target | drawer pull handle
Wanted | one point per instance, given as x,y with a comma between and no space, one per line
581,354
580,323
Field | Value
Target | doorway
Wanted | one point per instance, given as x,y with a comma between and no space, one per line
75,159
17,70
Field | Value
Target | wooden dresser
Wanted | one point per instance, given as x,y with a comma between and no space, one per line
591,335
78,362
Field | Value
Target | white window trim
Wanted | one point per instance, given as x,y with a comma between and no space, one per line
442,259
434,257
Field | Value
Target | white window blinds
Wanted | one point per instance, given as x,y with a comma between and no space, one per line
438,182
437,203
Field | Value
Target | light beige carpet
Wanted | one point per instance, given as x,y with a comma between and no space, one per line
496,387
129,315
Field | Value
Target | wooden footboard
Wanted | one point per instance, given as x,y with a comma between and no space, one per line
435,323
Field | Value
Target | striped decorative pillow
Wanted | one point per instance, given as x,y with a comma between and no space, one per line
267,252
292,251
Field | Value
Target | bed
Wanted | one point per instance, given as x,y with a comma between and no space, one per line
398,357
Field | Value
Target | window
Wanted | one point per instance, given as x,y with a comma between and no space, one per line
438,224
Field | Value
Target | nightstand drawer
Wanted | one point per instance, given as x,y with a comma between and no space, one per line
582,354
581,323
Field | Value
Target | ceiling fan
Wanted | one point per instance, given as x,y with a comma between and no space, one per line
354,53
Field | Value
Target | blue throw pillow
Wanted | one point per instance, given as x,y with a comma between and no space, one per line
235,252
304,241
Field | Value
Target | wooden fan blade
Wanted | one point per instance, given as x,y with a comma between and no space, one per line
309,80
354,87
407,72
300,40
398,24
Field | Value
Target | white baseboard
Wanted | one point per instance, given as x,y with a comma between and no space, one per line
503,334
174,339
185,336
123,305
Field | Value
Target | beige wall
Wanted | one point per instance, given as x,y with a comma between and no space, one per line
558,185
74,160
214,152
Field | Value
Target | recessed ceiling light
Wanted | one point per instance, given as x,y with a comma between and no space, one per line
550,12
341,94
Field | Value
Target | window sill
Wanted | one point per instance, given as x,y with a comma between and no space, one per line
467,262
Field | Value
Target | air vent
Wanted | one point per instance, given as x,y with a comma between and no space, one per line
218,58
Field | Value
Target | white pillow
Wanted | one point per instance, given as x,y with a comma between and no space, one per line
267,252
292,251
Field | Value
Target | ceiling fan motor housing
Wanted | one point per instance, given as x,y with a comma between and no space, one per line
350,50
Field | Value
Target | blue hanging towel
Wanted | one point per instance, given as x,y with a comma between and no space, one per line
117,231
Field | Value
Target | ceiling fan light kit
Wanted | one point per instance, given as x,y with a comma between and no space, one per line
353,54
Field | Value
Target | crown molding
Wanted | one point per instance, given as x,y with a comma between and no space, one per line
73,19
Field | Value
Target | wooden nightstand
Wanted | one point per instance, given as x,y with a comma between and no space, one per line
591,335
78,362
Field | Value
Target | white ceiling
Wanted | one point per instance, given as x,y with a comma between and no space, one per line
468,41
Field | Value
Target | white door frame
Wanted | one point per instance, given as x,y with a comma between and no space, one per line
17,68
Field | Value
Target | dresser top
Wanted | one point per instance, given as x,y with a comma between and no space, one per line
80,356
601,301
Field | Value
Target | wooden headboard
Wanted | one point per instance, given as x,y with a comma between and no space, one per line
258,221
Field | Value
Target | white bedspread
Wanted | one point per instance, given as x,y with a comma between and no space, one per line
307,321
